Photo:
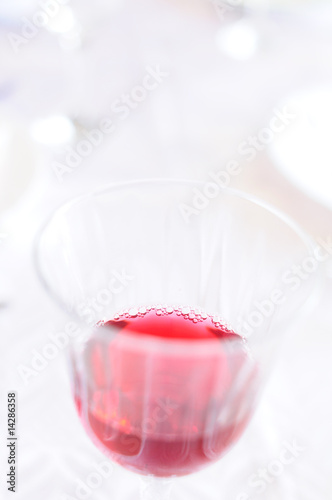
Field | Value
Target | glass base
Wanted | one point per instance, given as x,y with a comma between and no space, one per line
155,488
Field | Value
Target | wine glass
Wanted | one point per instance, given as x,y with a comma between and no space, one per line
183,292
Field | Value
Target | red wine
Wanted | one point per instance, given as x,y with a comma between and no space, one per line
169,392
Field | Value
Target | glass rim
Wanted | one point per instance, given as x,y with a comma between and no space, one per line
307,240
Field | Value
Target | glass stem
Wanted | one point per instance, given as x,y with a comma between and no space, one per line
155,488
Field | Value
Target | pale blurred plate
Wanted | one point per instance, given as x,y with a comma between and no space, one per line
303,151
